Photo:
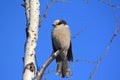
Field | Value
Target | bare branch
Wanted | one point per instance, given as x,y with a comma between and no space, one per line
116,18
52,57
87,61
109,4
47,73
48,7
117,30
77,34
103,56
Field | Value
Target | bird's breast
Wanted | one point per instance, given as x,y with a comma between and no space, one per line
61,37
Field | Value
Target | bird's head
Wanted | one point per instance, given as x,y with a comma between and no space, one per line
58,23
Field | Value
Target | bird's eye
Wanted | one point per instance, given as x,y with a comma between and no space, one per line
59,23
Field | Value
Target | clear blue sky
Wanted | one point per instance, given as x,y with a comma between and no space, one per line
95,18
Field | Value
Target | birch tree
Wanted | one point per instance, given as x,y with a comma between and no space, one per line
32,19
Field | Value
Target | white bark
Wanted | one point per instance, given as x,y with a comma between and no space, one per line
32,18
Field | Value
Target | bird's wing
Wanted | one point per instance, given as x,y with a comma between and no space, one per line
54,49
69,55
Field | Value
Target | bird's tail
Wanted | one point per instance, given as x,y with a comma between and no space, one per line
63,68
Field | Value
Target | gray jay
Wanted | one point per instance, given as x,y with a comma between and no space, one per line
61,41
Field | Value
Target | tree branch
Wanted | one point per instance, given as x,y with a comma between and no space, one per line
52,57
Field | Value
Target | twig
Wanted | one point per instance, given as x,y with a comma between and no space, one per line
47,8
78,33
116,18
47,73
46,11
109,4
86,61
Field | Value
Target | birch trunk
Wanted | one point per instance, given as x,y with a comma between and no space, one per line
32,19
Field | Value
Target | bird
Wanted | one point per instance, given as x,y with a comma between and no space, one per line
61,40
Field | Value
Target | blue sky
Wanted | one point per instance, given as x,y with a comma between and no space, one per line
96,19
